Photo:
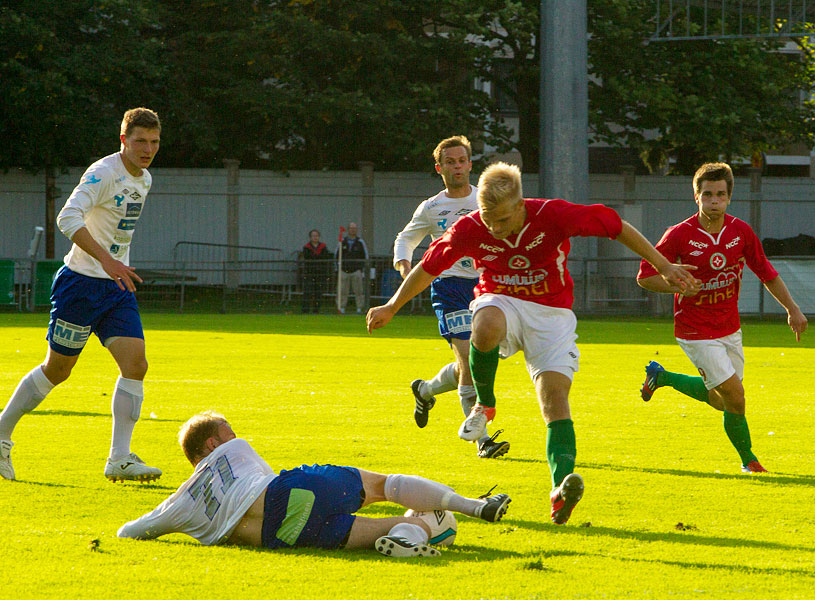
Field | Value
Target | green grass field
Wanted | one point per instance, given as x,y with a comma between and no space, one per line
666,511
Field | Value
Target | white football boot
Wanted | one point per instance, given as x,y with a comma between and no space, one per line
130,468
443,526
6,470
399,547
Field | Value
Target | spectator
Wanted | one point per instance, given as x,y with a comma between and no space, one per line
352,253
315,271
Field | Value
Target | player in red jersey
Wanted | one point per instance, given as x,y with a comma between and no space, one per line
706,321
523,302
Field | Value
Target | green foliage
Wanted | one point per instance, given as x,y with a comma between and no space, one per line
666,512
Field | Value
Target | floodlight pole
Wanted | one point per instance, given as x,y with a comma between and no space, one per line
564,104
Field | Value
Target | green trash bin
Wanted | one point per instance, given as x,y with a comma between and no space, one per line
7,282
46,269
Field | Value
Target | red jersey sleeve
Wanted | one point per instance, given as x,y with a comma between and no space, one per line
443,253
667,248
755,258
594,220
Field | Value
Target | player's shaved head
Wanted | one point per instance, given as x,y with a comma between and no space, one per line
196,431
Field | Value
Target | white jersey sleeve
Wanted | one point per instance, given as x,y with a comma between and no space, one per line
209,505
108,201
433,217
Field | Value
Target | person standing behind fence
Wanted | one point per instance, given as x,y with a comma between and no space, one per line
352,254
316,268
94,293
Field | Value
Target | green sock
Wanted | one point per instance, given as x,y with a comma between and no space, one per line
685,384
739,433
483,366
561,449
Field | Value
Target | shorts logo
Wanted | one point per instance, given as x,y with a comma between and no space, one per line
70,335
519,261
460,321
127,224
133,209
718,261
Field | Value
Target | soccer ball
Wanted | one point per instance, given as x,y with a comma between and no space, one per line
443,526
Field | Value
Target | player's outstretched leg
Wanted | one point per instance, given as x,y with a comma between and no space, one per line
651,383
494,507
565,497
474,426
130,468
423,405
489,448
6,470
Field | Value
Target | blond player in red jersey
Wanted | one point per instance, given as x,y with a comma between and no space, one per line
523,302
706,321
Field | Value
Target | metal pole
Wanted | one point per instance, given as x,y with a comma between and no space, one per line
232,279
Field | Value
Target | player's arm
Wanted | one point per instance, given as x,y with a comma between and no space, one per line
414,283
408,239
795,318
119,272
675,275
156,523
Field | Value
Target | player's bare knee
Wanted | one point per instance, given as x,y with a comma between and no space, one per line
135,369
57,372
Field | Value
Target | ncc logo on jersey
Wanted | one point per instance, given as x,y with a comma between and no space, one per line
519,261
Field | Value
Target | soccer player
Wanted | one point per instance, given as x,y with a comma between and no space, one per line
523,302
234,497
452,291
706,321
94,293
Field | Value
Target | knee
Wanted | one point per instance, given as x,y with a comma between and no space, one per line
56,373
135,369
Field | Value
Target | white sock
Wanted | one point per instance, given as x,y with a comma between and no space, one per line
444,381
126,407
467,397
418,493
32,389
409,531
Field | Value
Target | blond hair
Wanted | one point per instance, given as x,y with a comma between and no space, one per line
452,142
194,434
139,117
499,183
713,172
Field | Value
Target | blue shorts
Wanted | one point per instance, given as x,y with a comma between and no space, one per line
451,297
81,305
311,507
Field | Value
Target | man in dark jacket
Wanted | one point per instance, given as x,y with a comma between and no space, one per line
351,254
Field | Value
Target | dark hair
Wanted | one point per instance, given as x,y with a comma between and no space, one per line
713,172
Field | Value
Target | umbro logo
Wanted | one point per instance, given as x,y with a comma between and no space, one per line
439,514
696,253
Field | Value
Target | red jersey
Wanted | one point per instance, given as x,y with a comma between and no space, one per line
530,265
719,258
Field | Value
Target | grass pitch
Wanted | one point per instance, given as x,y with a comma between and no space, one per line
666,511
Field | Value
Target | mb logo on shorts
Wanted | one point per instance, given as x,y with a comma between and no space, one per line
70,335
459,321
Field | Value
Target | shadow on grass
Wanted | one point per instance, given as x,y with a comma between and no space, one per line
132,485
763,478
655,536
77,413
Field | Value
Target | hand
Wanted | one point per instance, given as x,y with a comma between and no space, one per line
677,276
378,317
123,275
797,322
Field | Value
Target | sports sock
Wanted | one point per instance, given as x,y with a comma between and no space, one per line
444,381
739,433
125,406
483,366
418,493
411,532
561,449
685,384
467,398
32,389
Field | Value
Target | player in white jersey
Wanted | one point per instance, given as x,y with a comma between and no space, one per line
452,291
94,293
234,497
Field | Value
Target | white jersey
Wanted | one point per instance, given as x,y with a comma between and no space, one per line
108,201
433,217
209,505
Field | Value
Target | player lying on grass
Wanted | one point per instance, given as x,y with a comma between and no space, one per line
706,320
452,291
234,497
523,302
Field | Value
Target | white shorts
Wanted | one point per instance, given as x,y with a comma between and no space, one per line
546,334
717,360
